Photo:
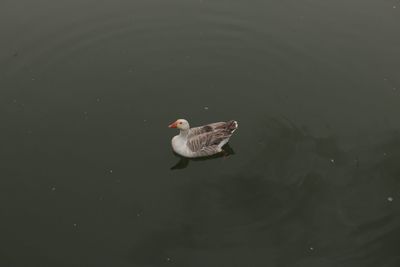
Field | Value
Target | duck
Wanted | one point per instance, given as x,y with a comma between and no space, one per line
202,141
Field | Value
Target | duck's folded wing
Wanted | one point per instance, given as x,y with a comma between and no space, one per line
208,139
208,151
206,128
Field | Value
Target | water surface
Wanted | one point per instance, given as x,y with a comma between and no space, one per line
87,89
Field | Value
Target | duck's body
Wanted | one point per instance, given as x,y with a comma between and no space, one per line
201,141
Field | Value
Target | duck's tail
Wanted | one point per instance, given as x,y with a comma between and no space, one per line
232,126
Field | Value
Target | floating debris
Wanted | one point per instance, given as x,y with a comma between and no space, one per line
333,160
205,108
390,199
111,171
311,248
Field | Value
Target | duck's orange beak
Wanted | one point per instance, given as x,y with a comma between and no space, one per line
173,125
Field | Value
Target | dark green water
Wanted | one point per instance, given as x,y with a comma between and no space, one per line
87,89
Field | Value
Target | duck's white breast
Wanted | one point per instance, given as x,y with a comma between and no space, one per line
180,147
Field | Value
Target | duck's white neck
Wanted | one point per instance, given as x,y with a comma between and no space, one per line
183,133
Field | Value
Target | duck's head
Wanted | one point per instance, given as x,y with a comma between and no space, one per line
181,124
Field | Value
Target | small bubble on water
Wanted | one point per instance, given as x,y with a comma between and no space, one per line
98,99
394,6
111,171
312,248
75,225
390,199
168,259
53,188
332,160
205,108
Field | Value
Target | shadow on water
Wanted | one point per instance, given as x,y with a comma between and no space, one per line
304,201
183,162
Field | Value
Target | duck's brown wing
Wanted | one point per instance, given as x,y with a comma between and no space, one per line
209,139
229,126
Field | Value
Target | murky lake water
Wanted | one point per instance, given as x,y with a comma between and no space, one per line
87,89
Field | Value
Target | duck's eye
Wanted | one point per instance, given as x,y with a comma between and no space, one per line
180,123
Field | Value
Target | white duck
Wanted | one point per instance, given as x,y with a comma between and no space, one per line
201,141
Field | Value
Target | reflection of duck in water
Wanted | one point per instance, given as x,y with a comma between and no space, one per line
201,141
184,162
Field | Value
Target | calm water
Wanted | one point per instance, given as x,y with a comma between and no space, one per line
87,89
